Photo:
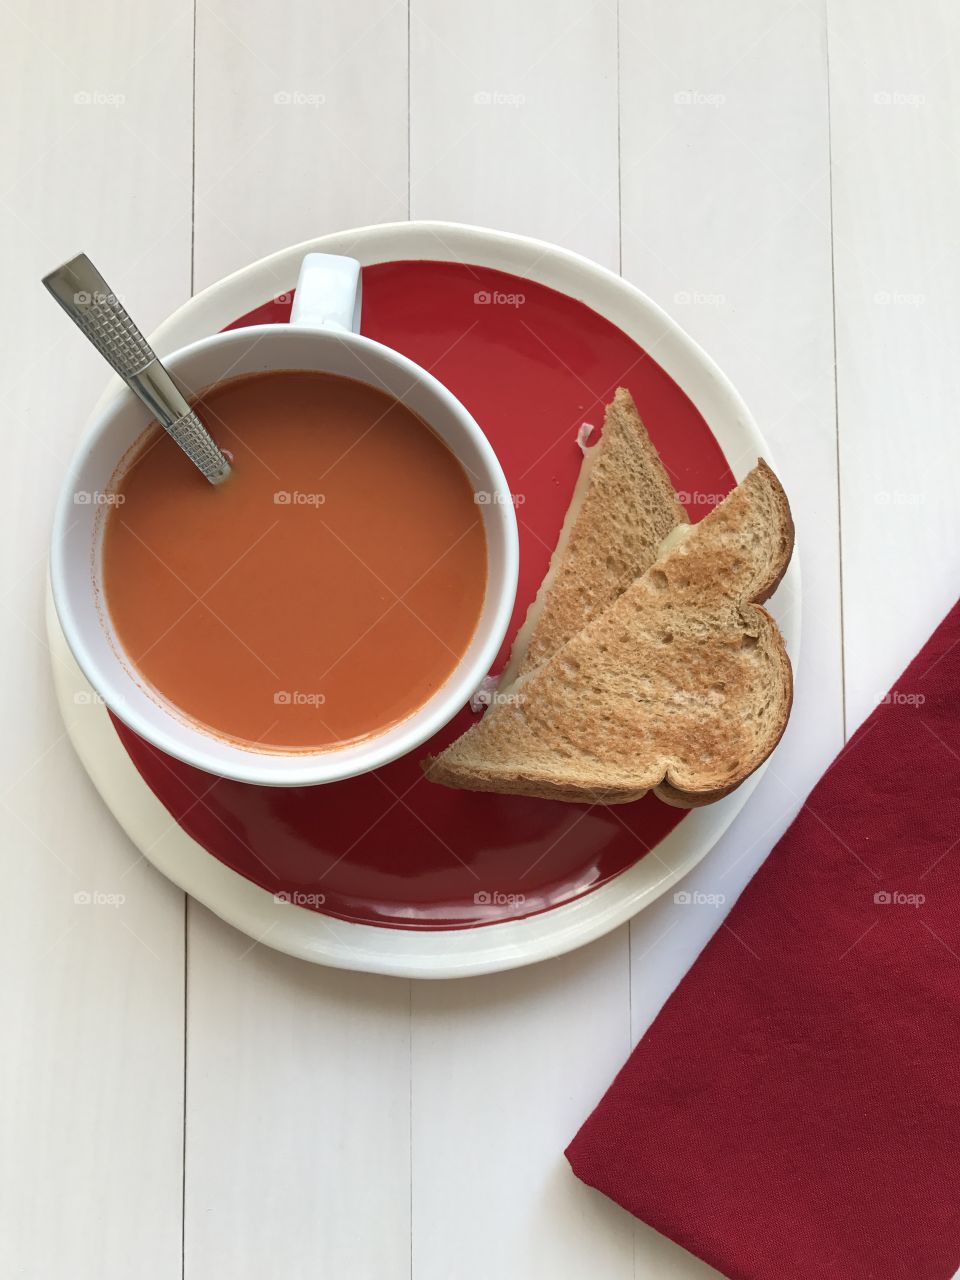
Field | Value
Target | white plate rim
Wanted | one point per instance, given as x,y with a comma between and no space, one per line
436,953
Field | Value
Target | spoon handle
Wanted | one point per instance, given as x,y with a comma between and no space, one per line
97,312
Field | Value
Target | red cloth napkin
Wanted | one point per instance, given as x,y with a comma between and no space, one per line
794,1111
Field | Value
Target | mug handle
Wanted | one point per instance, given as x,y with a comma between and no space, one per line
328,294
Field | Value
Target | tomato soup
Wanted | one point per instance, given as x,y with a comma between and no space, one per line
324,591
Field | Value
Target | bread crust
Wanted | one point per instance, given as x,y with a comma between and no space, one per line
779,566
680,798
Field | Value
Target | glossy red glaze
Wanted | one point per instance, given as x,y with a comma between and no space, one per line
390,848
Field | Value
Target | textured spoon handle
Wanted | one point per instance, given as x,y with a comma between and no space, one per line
95,309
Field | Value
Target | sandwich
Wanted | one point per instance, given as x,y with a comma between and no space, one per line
681,685
623,507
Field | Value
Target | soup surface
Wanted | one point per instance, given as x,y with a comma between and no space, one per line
319,595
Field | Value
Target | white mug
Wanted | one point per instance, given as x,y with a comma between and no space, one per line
322,336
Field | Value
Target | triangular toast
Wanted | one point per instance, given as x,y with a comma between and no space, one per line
622,508
682,685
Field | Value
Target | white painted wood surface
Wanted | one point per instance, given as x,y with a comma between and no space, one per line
780,177
92,938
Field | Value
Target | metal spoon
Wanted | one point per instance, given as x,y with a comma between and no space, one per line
95,309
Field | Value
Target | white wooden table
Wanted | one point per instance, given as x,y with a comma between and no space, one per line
782,178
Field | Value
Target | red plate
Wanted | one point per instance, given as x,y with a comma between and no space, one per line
389,848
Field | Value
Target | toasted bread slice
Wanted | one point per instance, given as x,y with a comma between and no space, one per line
682,685
623,506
